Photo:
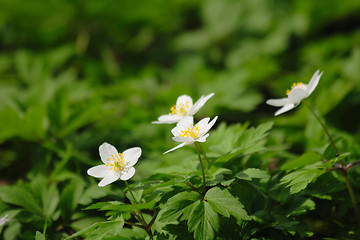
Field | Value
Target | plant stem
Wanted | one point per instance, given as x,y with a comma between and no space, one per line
191,186
45,227
324,127
202,150
352,196
140,216
202,167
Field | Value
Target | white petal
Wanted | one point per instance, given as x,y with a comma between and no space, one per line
178,146
203,138
183,100
188,140
278,102
205,129
176,131
4,220
131,156
296,95
98,171
199,104
168,119
125,175
313,83
106,150
285,109
108,179
186,122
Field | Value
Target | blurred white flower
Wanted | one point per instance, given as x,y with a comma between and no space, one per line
187,133
4,220
298,92
184,107
117,165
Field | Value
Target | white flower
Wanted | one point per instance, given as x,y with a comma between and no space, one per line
298,92
4,220
187,133
184,107
117,165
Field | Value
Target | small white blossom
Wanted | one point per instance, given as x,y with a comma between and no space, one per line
298,92
184,108
187,133
4,220
116,165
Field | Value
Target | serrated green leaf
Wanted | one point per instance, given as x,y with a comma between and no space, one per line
204,221
302,161
250,173
50,200
100,229
120,207
249,141
21,197
299,179
178,205
219,177
70,197
97,205
226,204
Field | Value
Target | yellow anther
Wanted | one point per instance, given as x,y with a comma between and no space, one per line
182,109
116,162
192,131
299,84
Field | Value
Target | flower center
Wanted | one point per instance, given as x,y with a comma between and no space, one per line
192,131
181,111
116,162
295,85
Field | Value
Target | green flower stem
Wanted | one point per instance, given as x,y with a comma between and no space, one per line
139,214
202,150
191,186
202,167
352,196
324,127
45,227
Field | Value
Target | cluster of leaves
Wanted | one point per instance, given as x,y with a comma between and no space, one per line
74,74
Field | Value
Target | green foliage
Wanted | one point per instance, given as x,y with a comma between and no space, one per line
75,74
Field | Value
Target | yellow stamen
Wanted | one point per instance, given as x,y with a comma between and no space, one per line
192,131
299,84
181,111
116,162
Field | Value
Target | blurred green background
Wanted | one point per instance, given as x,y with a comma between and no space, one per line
74,74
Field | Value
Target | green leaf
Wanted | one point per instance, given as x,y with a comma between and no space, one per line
249,141
100,229
50,200
204,221
180,205
70,197
299,179
21,197
120,207
92,192
223,139
226,204
12,231
302,161
39,236
219,177
251,173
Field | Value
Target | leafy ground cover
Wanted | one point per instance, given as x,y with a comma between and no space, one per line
76,74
